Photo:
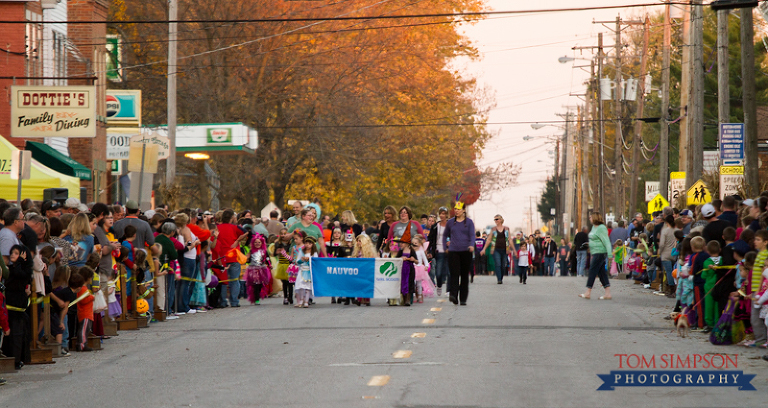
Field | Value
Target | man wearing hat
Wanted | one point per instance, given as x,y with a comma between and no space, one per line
73,206
144,236
687,217
51,208
713,231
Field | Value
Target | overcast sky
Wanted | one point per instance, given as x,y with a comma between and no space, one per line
519,65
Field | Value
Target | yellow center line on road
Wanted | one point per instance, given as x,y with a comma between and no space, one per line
428,321
418,335
436,309
378,381
402,354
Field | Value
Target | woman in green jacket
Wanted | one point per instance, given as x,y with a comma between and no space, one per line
599,248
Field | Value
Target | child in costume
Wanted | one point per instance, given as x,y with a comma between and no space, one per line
84,310
408,274
304,279
258,275
280,250
709,273
424,286
113,306
332,248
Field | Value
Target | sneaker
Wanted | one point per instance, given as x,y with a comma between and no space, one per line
191,311
64,353
747,343
171,317
439,291
201,310
2,381
180,313
153,320
285,301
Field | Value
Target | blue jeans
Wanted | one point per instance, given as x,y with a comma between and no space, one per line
170,289
668,267
233,274
549,266
564,268
432,270
650,270
441,268
581,262
65,335
184,289
500,262
597,269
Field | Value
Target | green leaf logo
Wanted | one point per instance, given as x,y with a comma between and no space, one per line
388,269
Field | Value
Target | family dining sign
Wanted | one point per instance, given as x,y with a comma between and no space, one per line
53,111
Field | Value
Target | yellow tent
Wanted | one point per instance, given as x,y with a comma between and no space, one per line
41,178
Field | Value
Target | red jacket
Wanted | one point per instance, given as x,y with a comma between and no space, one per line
3,314
530,259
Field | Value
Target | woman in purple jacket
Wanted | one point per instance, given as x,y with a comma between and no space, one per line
459,238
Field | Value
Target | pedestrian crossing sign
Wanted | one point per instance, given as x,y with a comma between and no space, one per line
657,204
699,194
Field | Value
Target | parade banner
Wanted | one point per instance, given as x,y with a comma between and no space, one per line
356,277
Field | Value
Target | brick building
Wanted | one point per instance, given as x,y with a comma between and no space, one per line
57,53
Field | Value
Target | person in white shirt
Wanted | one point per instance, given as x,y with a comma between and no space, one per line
524,259
437,251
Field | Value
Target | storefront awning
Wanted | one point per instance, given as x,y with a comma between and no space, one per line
50,157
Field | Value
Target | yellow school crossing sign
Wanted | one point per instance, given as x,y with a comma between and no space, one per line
699,194
657,204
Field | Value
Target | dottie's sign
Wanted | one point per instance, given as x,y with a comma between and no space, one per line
53,111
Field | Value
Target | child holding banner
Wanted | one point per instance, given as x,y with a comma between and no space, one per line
364,248
304,280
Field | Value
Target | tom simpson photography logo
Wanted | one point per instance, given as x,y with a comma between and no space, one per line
677,370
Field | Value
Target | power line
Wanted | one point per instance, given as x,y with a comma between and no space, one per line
358,18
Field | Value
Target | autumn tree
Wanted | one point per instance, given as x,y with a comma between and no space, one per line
360,113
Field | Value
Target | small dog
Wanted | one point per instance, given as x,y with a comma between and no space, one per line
681,322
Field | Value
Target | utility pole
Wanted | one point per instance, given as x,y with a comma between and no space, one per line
601,161
585,180
695,165
685,90
748,102
564,190
618,145
638,123
170,171
664,114
558,190
723,91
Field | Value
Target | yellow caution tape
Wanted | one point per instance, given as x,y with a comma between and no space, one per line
18,309
83,296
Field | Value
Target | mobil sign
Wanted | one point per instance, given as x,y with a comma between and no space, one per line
123,107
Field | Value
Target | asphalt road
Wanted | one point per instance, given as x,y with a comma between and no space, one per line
513,345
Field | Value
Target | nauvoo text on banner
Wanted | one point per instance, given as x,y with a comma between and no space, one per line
356,277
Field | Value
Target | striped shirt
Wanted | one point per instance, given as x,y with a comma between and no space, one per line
757,270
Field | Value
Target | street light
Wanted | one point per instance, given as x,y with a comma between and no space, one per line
537,126
566,59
